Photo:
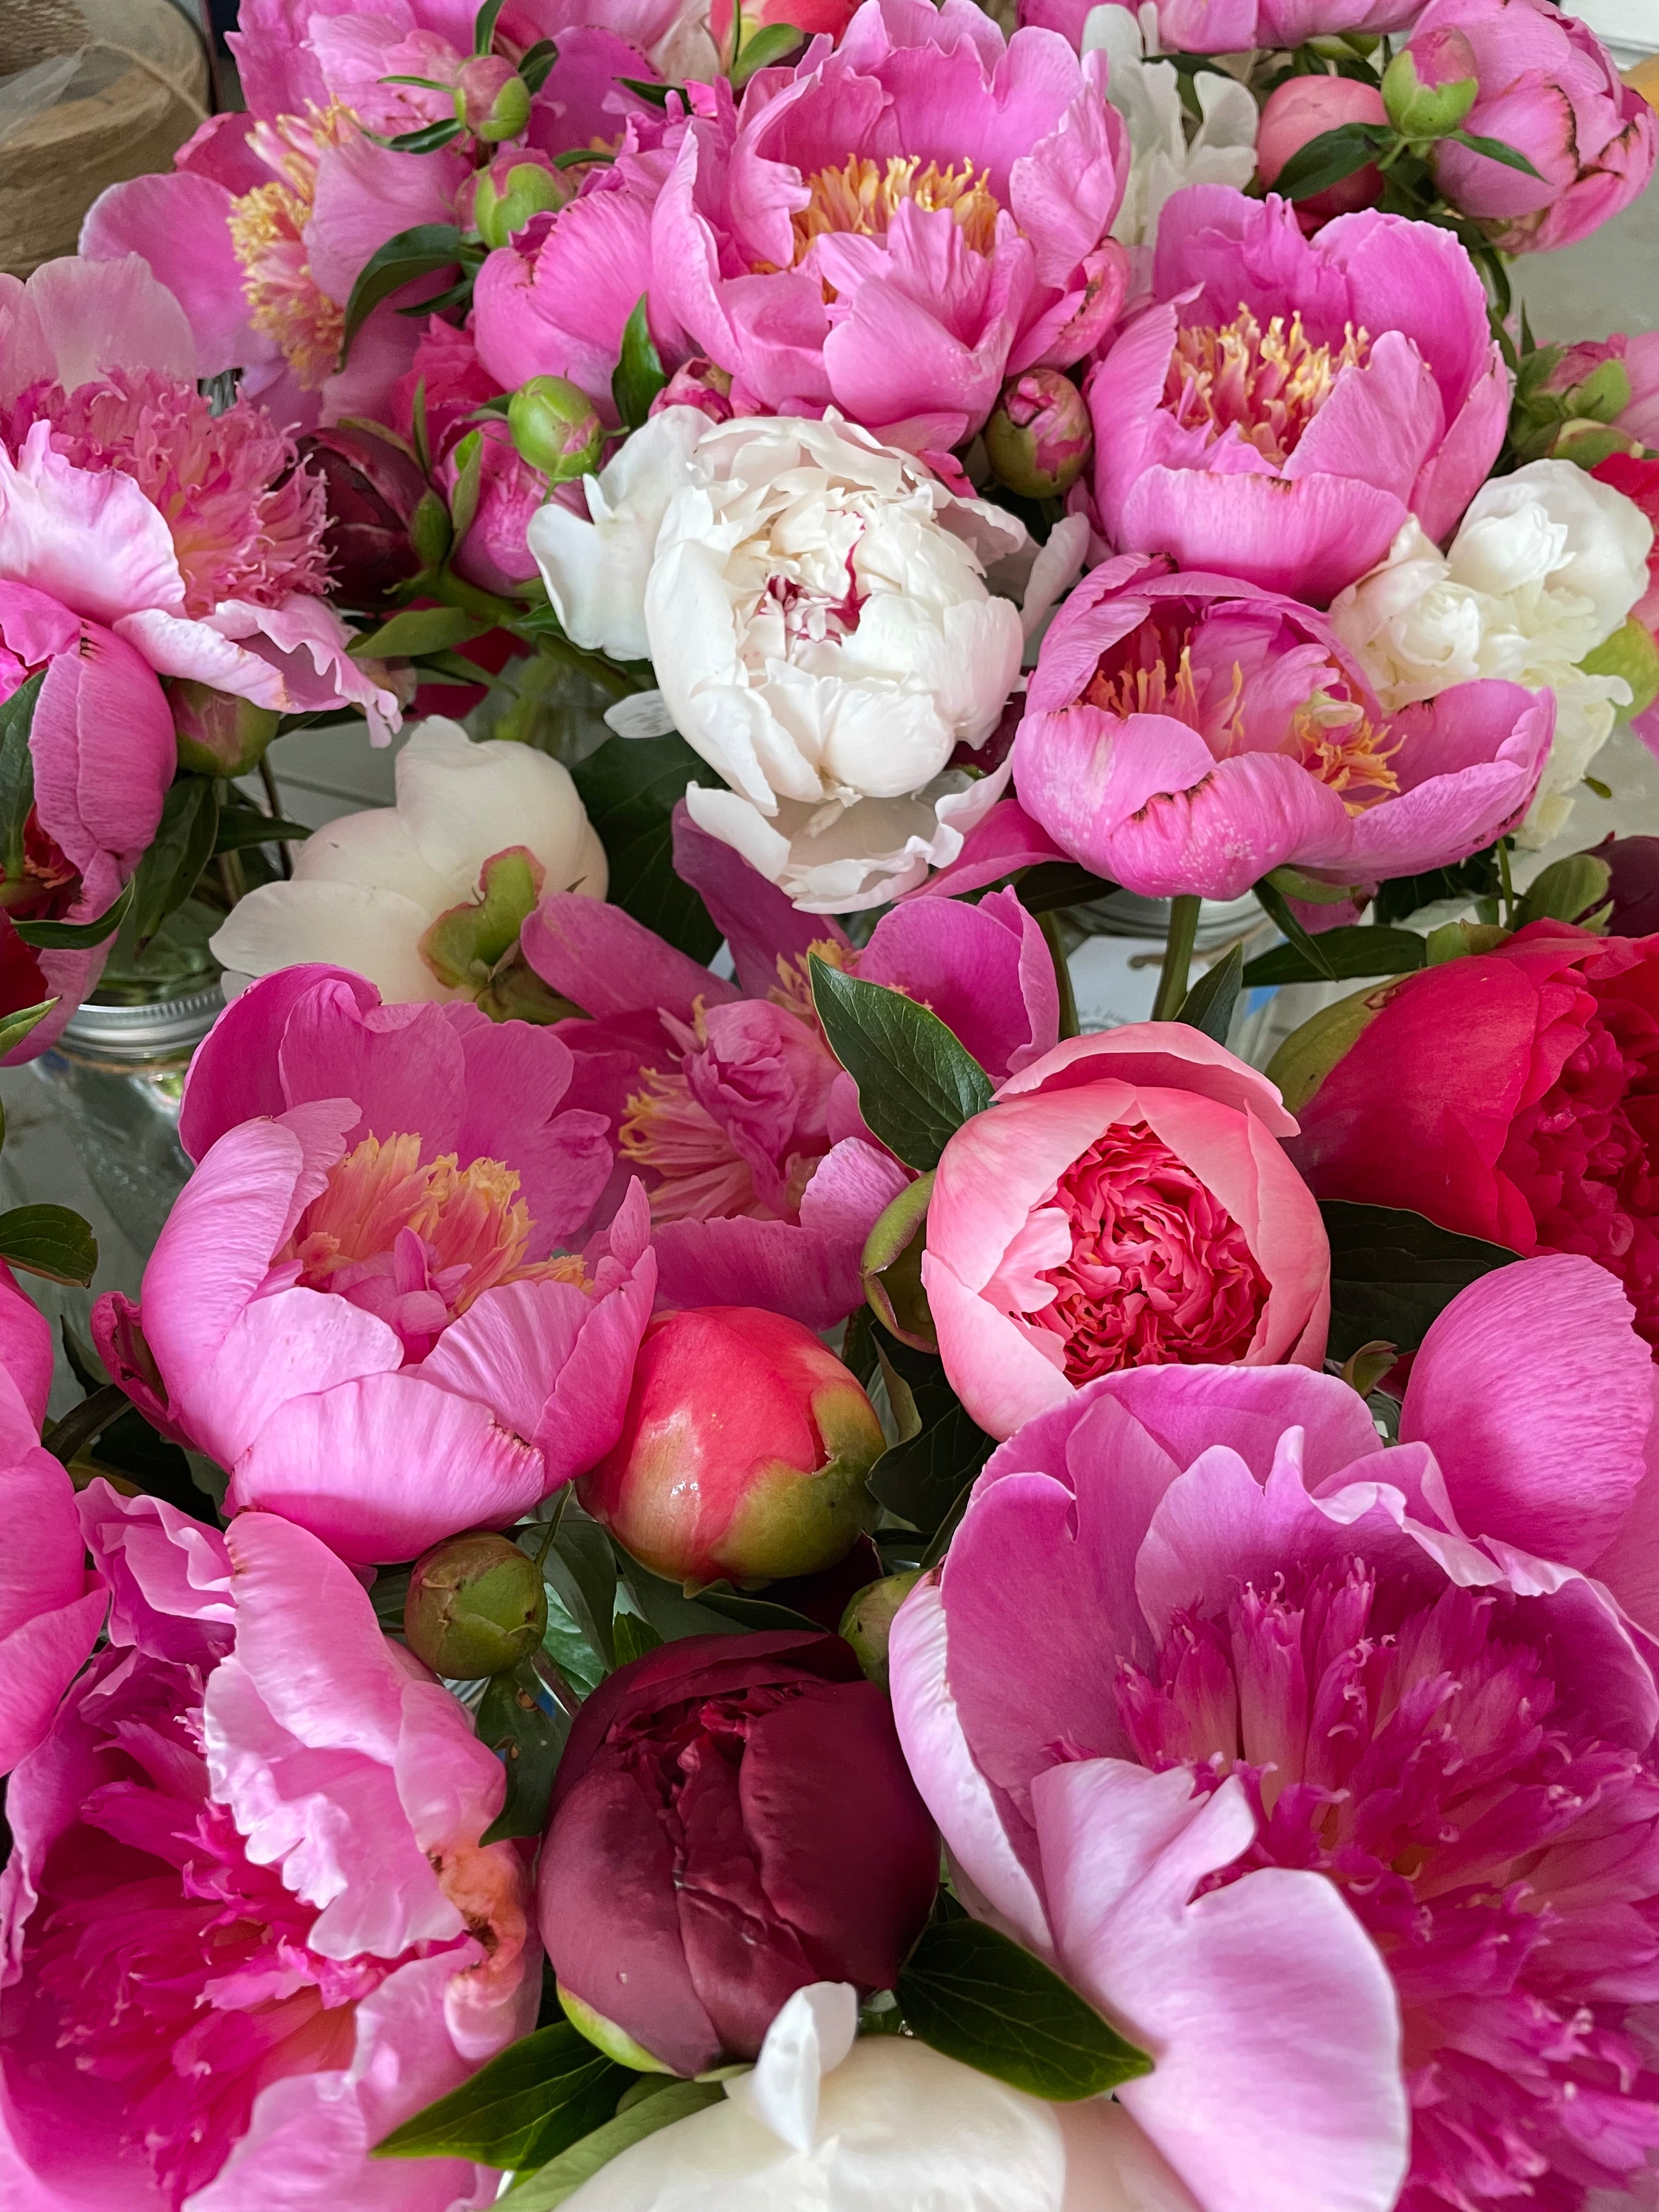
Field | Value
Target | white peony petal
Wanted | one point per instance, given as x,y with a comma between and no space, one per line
374,932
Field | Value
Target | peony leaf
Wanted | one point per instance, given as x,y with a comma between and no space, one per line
1494,149
917,1083
536,2098
181,848
516,1724
420,250
535,64
640,374
1053,884
483,25
49,1240
16,770
941,1450
770,44
78,936
1357,949
15,1027
242,826
1326,160
633,1637
978,1996
655,2104
1394,1272
420,629
630,788
1209,1004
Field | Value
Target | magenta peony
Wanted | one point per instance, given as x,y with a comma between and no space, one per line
1327,1771
249,1922
357,1306
1230,27
1187,733
1286,403
1124,1201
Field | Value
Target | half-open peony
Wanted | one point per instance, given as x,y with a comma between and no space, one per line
1326,1771
358,1305
1186,734
249,1923
1287,402
1227,27
1124,1201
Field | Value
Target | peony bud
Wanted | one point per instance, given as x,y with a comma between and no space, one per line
374,490
515,187
492,100
1431,85
476,1606
743,1452
555,428
891,1268
216,733
868,1621
1303,109
697,383
1632,884
1039,435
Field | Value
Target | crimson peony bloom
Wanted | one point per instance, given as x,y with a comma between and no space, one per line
733,1821
1514,1095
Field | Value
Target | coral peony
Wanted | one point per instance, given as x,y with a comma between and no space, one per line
1550,89
1304,108
727,1101
1509,1095
1287,402
392,893
250,1924
356,1306
1187,733
1326,1771
1124,1201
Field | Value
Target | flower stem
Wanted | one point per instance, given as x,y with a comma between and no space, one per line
1177,958
1049,925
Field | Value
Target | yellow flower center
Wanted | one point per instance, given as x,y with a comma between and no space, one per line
267,230
1267,385
863,197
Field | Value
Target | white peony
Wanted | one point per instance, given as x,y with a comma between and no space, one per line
824,2123
817,610
366,888
1147,94
1546,566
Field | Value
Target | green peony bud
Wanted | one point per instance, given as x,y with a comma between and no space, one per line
511,190
868,1620
218,734
1039,435
891,1268
476,1606
555,428
1431,85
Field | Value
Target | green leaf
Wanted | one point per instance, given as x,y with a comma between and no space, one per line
1495,150
16,771
940,1449
514,1723
917,1083
468,457
630,788
16,1027
1277,908
420,629
484,32
181,848
978,1997
242,826
666,1606
640,374
49,1240
633,1637
768,45
427,139
533,2101
77,936
420,250
1354,950
1392,1272
649,88
1209,1004
754,1612
1326,160
582,1568
1476,877
535,64
561,2176
1054,884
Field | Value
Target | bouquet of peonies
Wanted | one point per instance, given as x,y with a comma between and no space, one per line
722,1568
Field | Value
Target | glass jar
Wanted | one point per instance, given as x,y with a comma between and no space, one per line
1115,947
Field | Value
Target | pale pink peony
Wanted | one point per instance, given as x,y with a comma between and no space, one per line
1230,27
250,1927
196,538
725,1098
358,1305
1124,1201
1185,733
1326,1771
1286,403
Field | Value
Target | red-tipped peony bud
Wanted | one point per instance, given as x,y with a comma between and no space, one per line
216,733
1039,435
555,428
697,383
492,100
518,184
1431,85
743,1453
1304,108
372,492
476,1606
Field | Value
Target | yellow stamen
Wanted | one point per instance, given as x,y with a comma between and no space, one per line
267,230
863,197
1267,385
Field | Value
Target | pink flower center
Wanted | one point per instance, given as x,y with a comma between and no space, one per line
416,1242
1504,1861
1267,385
246,521
863,195
267,230
1159,1271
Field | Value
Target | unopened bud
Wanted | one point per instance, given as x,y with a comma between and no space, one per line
216,733
867,1623
1431,85
510,192
891,1268
476,1606
697,383
555,428
1039,435
492,100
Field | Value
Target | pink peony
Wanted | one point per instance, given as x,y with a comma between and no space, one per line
454,383
725,1097
892,228
1550,89
358,1306
1286,403
1327,1771
1638,355
102,755
249,1924
1186,734
196,538
1124,1201
1230,27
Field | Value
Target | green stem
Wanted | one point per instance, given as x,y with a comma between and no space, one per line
1503,877
1177,958
1049,925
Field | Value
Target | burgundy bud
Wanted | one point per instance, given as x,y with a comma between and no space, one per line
747,1798
1039,435
373,490
1632,884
